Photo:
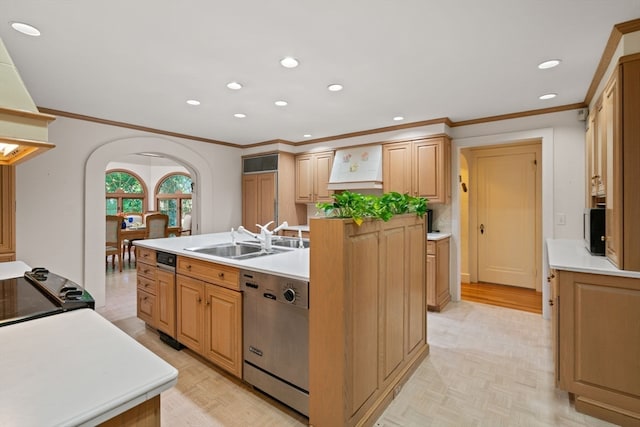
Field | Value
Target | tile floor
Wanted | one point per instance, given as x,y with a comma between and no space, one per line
488,366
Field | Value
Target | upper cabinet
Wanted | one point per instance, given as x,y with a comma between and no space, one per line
419,168
7,214
268,191
616,138
312,177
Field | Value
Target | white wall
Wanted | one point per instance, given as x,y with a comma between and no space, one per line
60,194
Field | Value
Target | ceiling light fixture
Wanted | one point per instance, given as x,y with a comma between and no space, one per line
281,103
335,87
548,96
549,64
398,118
193,102
234,85
289,62
239,115
27,29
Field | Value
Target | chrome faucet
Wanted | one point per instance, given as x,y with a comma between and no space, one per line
265,235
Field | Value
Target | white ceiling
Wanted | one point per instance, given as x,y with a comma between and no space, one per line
139,61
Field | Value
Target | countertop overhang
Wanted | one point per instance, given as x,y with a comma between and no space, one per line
571,255
75,369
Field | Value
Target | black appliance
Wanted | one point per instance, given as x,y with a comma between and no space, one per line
39,293
594,227
429,220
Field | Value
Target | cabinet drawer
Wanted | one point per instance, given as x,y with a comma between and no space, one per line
222,275
147,285
431,248
146,308
146,255
146,270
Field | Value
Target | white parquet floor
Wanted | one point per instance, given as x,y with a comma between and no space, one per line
488,366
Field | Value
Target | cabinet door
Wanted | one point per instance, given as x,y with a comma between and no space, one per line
166,288
590,143
416,301
442,275
431,160
554,302
223,328
304,179
190,310
146,308
250,205
396,168
613,242
599,152
266,198
431,280
322,173
7,213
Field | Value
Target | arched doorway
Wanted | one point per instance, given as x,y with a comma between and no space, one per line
95,166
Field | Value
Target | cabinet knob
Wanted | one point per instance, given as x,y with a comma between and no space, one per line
603,238
199,300
189,267
551,302
221,275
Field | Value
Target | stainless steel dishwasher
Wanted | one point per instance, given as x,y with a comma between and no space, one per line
276,337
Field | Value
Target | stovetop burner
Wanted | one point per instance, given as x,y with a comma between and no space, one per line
39,293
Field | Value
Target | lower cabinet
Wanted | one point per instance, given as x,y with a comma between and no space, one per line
596,324
438,274
209,314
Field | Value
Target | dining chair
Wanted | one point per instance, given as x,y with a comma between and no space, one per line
113,240
185,227
156,226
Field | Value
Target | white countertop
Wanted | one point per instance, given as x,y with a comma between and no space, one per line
571,255
75,368
11,269
293,263
437,236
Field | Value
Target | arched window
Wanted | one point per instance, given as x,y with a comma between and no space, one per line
125,192
173,197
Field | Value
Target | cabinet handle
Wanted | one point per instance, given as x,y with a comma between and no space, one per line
603,238
551,302
208,303
221,275
189,267
199,300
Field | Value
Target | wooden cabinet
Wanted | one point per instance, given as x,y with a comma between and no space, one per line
597,337
270,196
7,214
210,312
374,276
596,152
147,287
419,168
313,171
156,293
438,274
554,302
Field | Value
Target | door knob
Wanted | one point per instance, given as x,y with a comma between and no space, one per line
481,228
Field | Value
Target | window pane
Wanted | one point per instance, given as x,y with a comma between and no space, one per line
186,206
169,207
122,181
112,206
131,205
175,183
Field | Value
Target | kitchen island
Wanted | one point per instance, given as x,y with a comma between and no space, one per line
596,332
78,369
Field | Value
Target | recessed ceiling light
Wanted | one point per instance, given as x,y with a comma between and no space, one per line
289,62
335,87
193,102
281,103
239,115
398,118
549,64
548,96
25,29
234,85
307,135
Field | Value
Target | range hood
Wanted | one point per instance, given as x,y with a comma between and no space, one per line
23,129
357,168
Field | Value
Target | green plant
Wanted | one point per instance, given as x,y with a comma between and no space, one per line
360,206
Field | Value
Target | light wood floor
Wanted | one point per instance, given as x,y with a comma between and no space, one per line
503,296
488,366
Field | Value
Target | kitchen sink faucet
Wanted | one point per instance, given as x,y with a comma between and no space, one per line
265,235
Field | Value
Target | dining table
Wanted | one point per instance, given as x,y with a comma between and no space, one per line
138,232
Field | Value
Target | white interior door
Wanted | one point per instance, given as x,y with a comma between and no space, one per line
506,217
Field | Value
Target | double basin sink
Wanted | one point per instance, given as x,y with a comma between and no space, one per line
246,250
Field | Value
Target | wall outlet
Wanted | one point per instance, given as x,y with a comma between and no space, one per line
561,219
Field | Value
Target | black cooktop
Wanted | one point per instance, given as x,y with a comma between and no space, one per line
37,294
